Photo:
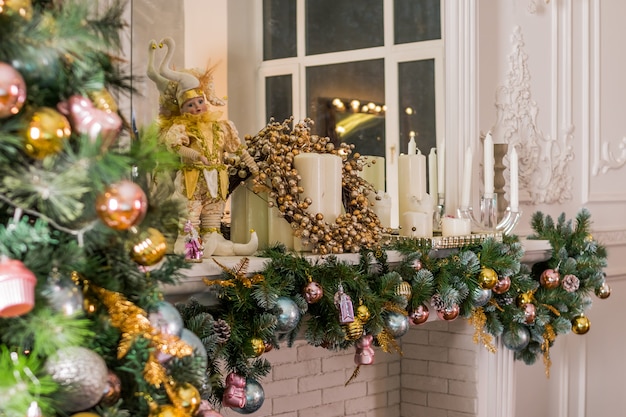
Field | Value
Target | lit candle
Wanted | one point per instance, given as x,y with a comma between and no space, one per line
441,178
467,178
412,145
514,203
488,164
432,174
412,180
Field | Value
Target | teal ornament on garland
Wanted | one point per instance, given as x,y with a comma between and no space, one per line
255,396
397,324
516,339
288,315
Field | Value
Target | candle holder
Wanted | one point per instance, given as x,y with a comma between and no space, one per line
488,220
439,212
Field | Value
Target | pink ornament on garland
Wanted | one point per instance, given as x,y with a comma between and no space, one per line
12,91
364,352
344,303
234,394
550,278
17,288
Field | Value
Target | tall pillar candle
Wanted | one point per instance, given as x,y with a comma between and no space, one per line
374,171
279,229
433,188
488,164
466,186
441,169
514,180
411,181
321,181
248,211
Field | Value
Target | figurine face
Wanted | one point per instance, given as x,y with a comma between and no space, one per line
196,105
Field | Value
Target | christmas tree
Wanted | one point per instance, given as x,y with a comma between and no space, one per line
83,323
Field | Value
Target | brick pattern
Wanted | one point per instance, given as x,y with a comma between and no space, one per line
435,377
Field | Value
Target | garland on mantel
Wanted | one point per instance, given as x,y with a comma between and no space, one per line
343,306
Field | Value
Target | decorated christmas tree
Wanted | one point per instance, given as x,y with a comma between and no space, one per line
83,322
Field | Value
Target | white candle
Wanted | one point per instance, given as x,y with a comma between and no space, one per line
412,145
374,171
381,205
411,180
432,174
514,203
414,224
321,181
279,229
451,226
248,211
488,164
441,177
467,178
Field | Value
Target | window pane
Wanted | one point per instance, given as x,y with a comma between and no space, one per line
339,98
416,82
341,25
278,98
417,21
279,29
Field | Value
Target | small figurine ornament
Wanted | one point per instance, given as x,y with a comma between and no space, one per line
234,394
364,352
193,243
344,303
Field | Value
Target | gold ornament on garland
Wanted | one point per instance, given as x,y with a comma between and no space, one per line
549,336
487,279
258,346
354,329
603,291
22,7
239,273
581,324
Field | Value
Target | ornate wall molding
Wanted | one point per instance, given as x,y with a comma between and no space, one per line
543,160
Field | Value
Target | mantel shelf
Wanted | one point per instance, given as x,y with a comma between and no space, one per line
193,284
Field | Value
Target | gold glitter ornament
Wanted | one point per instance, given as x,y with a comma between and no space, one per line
363,313
22,7
258,346
488,278
404,290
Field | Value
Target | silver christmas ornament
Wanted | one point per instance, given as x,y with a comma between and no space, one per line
255,396
516,340
397,324
288,315
63,295
480,297
166,318
196,344
82,375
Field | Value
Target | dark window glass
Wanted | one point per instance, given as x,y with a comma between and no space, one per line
278,98
417,20
416,83
346,102
341,25
279,29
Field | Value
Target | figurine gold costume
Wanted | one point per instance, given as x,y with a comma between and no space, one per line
201,138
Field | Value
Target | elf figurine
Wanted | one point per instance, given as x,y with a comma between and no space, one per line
202,139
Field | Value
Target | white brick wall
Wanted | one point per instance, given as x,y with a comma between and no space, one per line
435,377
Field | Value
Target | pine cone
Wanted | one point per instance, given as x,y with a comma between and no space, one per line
222,331
437,302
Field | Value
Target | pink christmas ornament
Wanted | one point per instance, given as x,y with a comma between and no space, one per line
17,288
449,314
12,90
344,303
86,119
419,315
550,278
364,352
234,394
502,286
313,292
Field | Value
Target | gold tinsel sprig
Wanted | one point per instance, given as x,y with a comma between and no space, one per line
478,319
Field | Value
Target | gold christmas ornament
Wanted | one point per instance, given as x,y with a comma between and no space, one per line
103,100
258,346
22,7
525,298
488,278
167,411
603,291
186,397
148,247
363,313
353,330
404,290
46,133
581,324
